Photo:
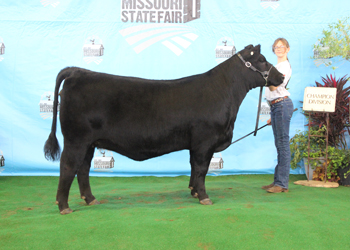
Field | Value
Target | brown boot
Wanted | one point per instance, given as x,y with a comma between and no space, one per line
277,189
268,186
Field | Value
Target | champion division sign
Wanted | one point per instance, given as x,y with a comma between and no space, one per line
159,11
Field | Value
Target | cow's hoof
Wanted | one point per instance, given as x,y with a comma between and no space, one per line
190,187
94,202
195,195
206,201
66,211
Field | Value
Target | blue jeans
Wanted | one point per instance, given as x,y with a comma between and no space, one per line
281,114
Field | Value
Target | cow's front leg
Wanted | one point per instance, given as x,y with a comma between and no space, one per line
200,164
83,179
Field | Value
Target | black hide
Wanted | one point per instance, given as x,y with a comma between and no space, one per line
142,118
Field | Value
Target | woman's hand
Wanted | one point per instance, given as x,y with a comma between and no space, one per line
269,121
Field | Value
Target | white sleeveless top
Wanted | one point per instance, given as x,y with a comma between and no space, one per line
285,68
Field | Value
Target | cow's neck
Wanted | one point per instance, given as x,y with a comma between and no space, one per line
240,78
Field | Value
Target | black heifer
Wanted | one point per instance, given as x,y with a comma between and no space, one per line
142,118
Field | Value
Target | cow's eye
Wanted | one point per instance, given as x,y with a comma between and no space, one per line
262,58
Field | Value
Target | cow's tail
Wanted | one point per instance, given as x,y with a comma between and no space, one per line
52,148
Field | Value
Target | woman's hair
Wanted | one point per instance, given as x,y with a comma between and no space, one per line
283,40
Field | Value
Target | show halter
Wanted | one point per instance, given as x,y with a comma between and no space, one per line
265,75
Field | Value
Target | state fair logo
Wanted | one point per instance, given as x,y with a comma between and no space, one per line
93,50
162,22
46,105
216,165
53,3
264,111
103,162
2,161
2,49
270,4
225,48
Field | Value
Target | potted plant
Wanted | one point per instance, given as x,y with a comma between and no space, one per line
338,152
337,159
344,174
299,149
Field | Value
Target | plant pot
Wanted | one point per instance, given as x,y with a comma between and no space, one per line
311,169
344,176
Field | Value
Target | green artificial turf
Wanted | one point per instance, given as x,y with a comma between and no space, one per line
159,213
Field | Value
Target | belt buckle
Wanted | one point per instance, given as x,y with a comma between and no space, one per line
276,100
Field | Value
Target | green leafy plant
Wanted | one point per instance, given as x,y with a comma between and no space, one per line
347,174
334,42
299,146
337,158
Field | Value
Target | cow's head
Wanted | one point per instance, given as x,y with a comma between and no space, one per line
252,59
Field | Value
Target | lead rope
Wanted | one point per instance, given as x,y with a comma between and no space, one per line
254,131
258,115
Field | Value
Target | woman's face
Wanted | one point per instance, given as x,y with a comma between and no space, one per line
281,50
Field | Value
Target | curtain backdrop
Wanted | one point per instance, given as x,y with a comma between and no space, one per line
155,39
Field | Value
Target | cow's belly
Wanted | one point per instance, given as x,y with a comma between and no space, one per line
142,149
224,142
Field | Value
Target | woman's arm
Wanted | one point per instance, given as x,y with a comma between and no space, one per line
273,88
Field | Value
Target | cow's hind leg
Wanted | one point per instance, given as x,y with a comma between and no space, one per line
199,165
83,179
71,159
191,184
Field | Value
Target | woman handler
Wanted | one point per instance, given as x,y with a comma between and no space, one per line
281,113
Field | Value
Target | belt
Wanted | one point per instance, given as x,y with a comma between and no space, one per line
278,100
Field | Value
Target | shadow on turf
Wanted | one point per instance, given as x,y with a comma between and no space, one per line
167,199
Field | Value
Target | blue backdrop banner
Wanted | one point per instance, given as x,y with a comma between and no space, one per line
154,39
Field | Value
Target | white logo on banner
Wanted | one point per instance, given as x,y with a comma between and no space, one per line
270,3
103,163
46,3
264,111
216,164
46,105
2,49
165,26
2,161
165,11
177,38
224,49
93,50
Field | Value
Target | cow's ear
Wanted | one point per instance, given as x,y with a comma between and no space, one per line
257,48
250,46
